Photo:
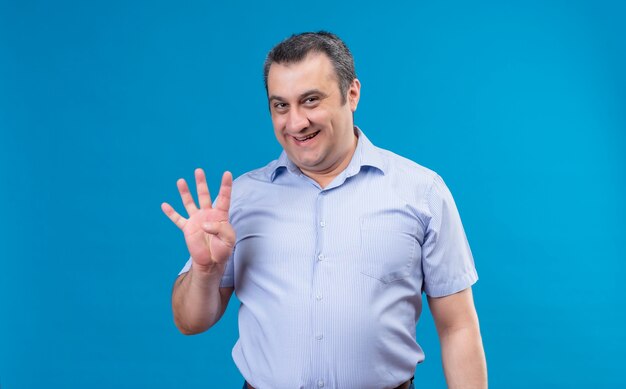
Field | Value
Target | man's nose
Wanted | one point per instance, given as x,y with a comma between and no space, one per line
297,120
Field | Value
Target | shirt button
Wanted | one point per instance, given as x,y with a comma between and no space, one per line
320,257
323,223
320,384
319,336
318,296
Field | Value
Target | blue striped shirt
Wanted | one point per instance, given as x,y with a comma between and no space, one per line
330,280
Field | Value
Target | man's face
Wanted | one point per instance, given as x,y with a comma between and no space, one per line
311,122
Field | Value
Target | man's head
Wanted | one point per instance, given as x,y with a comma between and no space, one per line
311,112
295,48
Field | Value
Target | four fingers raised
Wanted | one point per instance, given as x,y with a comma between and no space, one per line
204,197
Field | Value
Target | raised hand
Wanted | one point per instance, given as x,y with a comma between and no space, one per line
209,236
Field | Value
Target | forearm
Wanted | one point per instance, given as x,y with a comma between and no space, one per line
197,303
464,358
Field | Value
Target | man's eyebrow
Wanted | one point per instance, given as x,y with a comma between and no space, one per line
274,97
313,92
302,96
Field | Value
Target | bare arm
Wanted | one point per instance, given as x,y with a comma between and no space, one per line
198,301
461,344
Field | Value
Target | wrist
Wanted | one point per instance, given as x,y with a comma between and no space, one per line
207,272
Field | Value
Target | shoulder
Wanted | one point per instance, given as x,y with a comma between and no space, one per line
254,181
407,173
405,165
262,174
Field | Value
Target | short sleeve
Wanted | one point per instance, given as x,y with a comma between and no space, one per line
447,262
228,279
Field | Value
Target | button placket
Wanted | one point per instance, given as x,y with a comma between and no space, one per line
318,309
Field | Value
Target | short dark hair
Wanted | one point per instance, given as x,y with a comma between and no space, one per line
295,48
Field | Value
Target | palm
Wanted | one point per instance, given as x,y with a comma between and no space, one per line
205,248
208,234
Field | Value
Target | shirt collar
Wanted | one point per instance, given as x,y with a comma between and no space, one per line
365,154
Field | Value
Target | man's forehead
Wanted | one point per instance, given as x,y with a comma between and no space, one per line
313,71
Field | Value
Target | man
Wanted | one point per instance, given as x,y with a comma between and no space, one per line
329,247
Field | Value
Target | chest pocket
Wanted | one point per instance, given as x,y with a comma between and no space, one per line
388,248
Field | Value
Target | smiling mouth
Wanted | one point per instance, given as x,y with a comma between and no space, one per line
305,138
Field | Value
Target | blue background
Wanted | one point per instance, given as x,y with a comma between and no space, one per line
520,106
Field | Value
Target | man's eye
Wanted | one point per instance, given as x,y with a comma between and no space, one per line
310,100
280,105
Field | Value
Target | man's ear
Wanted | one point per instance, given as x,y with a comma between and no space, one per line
354,93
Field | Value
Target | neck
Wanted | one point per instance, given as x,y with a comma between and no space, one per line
325,177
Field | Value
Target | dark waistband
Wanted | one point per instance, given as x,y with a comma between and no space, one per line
405,385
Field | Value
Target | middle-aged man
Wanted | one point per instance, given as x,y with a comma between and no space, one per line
330,246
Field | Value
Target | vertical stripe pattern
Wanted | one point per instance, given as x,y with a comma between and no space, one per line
330,280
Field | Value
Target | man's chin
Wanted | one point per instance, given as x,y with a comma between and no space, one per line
307,163
308,167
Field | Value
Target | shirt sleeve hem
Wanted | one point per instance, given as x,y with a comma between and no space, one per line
452,287
227,282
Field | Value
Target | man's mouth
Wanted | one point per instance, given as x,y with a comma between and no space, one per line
305,138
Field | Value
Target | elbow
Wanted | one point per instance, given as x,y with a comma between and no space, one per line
188,330
190,327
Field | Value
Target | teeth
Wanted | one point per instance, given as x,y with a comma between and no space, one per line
307,137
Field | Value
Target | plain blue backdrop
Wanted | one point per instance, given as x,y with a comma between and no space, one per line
520,106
